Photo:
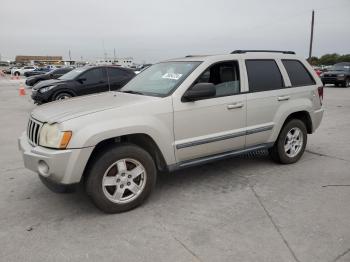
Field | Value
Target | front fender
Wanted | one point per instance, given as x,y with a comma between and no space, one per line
160,129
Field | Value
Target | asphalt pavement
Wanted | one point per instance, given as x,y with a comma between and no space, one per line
246,208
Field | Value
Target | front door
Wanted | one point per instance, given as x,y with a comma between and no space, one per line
93,81
213,125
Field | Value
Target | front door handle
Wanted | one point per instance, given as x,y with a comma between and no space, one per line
283,98
235,105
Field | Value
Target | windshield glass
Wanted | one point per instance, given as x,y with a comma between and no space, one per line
160,79
72,74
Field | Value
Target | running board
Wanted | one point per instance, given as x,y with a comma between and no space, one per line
208,159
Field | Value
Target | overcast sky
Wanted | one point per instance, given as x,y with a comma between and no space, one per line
153,30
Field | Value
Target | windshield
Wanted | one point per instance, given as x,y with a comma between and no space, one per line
72,74
160,79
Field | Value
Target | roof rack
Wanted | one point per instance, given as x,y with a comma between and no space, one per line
262,51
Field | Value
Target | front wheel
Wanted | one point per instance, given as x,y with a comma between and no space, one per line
62,96
291,143
121,178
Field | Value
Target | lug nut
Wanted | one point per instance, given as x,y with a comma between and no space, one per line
128,183
129,176
121,186
118,180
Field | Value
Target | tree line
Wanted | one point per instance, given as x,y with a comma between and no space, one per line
329,59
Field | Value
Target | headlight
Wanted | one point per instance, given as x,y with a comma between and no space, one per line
51,136
45,89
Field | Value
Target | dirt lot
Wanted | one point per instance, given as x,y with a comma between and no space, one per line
243,209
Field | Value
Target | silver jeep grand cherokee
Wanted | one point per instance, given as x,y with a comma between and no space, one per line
175,114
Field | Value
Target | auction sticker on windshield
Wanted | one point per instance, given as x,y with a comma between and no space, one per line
172,76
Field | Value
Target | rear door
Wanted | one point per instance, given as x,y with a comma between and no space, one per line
93,81
117,77
263,100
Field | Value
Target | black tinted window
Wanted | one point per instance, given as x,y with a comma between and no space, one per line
116,73
93,76
298,74
263,75
225,77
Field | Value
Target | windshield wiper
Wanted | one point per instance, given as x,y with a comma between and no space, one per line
131,92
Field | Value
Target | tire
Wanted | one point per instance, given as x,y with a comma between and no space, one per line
278,152
346,83
62,96
114,195
16,74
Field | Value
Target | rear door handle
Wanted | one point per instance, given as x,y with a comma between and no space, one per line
235,105
283,98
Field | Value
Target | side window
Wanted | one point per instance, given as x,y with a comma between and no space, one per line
298,74
115,73
225,77
93,76
263,75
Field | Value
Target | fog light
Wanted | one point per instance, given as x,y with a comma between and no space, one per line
43,168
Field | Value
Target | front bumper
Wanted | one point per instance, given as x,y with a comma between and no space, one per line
332,80
59,166
40,97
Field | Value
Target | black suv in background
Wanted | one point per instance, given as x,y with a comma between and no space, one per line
82,81
49,75
339,75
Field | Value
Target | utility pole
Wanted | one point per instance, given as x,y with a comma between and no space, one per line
70,58
312,33
114,53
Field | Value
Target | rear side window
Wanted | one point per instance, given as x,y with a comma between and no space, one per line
298,74
263,75
116,73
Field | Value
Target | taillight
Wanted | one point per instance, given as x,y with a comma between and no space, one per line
320,93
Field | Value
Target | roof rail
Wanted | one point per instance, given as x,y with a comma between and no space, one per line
262,51
195,55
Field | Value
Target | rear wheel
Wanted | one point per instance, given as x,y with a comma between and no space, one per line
346,83
121,178
291,143
62,96
17,74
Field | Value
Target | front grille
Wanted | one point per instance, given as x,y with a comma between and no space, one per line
330,75
33,131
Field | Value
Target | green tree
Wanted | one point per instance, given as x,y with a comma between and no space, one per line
329,59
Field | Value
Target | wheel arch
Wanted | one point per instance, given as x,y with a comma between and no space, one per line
63,90
304,116
142,140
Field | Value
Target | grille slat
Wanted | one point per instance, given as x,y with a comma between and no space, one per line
33,131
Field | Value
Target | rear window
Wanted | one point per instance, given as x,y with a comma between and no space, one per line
263,75
298,74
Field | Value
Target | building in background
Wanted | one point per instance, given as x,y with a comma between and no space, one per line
124,62
39,60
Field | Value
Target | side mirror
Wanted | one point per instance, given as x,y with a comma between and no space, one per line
81,80
199,91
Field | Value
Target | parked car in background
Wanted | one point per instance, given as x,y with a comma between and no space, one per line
138,69
176,114
339,75
22,70
8,70
54,74
37,71
82,81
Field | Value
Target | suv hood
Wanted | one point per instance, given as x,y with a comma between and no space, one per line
63,110
336,72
